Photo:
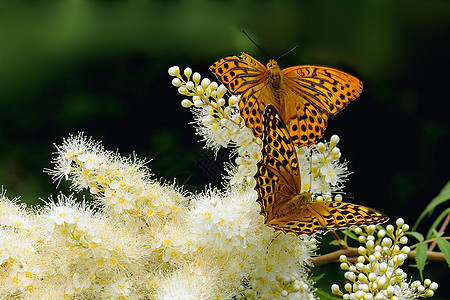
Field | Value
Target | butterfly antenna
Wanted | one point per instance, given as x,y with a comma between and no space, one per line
243,31
295,47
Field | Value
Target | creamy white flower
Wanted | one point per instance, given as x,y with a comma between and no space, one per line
62,214
381,270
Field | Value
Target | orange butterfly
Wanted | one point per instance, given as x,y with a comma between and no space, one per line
278,183
304,95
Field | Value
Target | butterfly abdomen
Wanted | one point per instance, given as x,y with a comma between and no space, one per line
295,204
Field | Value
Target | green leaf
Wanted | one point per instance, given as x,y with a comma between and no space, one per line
444,246
336,243
421,257
438,220
350,234
443,196
324,295
318,277
416,234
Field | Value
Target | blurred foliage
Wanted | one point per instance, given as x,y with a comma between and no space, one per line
101,67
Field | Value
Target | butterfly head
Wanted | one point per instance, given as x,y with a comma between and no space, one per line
274,72
272,64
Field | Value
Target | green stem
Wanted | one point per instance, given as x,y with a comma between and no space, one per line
429,241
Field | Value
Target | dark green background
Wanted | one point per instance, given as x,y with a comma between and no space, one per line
101,67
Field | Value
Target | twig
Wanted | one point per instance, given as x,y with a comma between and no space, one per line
431,255
444,225
334,256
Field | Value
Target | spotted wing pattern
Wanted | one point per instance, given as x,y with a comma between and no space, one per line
278,184
304,95
327,216
243,75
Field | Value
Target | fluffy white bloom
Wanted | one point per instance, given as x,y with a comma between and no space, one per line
62,214
322,172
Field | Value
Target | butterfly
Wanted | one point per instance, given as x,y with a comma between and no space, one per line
278,184
304,95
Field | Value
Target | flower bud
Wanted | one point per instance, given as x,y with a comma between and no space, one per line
362,250
390,228
176,82
221,91
335,289
187,72
386,242
348,287
212,86
232,100
196,77
334,140
372,277
433,286
205,82
174,71
183,90
190,85
429,293
406,250
381,233
186,103
198,103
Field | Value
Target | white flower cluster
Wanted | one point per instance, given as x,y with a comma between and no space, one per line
219,123
140,239
376,274
321,171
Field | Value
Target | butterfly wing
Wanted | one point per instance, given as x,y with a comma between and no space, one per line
305,122
243,75
301,221
327,216
328,89
278,176
239,73
313,93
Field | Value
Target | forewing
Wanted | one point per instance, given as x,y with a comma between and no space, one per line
328,89
278,176
243,75
239,73
251,107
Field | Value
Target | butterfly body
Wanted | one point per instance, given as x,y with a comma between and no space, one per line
304,96
296,204
278,183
